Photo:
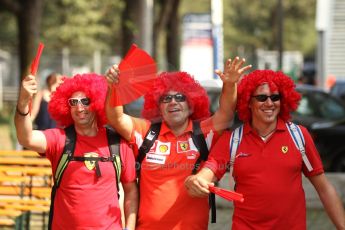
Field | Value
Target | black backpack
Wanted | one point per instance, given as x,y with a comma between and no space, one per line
68,155
199,142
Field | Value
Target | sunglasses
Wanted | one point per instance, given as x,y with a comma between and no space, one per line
75,101
168,98
263,97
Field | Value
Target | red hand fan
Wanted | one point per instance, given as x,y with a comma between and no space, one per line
226,194
137,73
34,66
36,61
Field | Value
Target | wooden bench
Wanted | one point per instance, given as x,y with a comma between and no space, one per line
26,170
7,222
25,161
25,207
25,187
23,153
10,212
13,179
24,201
40,192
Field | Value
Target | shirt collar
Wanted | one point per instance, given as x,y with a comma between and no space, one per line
280,127
165,129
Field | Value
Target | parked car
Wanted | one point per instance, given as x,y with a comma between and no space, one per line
338,89
324,116
321,113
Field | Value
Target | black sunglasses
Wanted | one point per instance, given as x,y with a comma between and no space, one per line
75,101
179,97
263,97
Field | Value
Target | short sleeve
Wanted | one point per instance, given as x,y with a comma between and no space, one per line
128,173
210,134
219,157
140,128
55,145
312,154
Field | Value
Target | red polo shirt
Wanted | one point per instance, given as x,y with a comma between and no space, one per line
269,175
83,200
164,201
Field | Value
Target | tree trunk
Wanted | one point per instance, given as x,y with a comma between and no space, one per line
28,15
173,38
29,24
130,17
165,8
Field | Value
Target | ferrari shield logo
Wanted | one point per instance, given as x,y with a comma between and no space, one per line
184,146
285,149
90,165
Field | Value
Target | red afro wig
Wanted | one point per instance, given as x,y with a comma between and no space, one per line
93,85
180,82
277,81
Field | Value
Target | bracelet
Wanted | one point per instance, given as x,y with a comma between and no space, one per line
20,113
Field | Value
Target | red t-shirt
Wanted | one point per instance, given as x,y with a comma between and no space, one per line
269,177
83,200
164,201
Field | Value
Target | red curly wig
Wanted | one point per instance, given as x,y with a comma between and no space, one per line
93,85
180,82
276,81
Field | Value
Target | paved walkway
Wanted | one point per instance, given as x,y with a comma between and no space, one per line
317,218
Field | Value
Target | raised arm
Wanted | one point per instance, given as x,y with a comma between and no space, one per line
116,117
31,139
228,98
330,200
36,104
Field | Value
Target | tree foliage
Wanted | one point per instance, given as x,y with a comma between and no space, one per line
28,19
253,24
81,25
111,26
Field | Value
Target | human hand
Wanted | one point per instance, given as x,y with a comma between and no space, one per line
233,70
112,75
197,186
29,87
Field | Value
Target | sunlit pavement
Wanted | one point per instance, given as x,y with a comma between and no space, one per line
317,218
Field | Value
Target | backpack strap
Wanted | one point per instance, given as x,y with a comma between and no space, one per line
66,155
200,143
150,138
114,149
235,141
298,139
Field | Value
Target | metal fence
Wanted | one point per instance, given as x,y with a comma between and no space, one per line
65,63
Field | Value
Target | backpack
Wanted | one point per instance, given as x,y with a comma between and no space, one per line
199,142
68,155
294,131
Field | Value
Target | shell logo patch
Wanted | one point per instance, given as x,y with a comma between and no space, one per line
90,165
163,148
285,149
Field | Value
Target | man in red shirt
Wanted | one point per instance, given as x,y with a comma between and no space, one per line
87,197
176,100
267,166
